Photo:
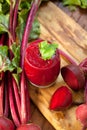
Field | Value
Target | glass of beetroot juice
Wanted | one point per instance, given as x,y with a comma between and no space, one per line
42,63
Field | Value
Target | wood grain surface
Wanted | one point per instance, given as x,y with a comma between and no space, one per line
69,30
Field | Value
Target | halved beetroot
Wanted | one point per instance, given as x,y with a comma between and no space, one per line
73,76
30,126
61,99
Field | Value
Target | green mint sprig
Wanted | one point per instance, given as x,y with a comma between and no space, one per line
47,50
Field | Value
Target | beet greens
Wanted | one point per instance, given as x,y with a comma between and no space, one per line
12,66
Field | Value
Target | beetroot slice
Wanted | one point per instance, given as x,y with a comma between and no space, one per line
73,76
61,99
30,126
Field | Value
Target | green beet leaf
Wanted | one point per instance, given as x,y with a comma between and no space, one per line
4,23
84,4
47,50
5,63
80,3
16,59
35,31
72,2
1,1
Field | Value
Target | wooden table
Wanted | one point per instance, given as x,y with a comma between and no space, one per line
80,16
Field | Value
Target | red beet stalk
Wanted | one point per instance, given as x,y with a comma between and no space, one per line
19,103
6,98
23,85
15,14
5,123
14,97
1,93
13,108
28,27
67,57
83,65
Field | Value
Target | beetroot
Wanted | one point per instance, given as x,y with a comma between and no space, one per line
30,126
73,76
61,99
76,78
6,124
81,111
81,114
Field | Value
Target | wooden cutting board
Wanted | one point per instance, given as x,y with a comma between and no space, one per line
72,39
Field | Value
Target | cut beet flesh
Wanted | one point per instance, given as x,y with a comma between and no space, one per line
73,76
61,99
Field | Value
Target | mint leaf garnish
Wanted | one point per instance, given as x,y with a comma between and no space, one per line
47,50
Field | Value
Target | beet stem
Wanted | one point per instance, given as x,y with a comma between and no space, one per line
85,92
11,17
17,95
28,101
83,65
23,100
15,18
1,94
6,99
2,39
12,103
28,27
26,34
67,57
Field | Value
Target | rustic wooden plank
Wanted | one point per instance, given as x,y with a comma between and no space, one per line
79,15
39,119
64,30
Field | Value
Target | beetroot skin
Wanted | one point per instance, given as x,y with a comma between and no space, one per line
30,126
81,114
6,124
61,99
73,76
